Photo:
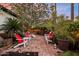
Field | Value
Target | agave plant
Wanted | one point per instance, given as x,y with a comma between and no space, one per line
11,26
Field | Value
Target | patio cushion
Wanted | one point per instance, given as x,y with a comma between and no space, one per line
50,35
18,37
27,34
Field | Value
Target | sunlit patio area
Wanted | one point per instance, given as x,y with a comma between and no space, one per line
39,29
38,45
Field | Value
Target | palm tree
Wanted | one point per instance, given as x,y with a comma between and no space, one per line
72,11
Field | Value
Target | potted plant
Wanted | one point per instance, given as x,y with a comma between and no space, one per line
63,42
63,36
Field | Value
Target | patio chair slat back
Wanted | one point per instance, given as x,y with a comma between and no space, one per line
27,35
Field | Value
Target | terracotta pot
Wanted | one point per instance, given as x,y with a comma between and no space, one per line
63,44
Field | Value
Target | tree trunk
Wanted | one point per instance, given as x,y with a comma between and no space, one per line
55,12
72,11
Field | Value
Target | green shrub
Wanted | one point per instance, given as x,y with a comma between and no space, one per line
61,31
74,26
70,53
47,24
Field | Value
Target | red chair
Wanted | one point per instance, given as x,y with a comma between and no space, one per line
27,35
19,39
50,35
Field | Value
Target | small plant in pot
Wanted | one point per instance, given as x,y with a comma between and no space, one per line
63,42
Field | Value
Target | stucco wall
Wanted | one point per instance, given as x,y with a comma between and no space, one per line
3,17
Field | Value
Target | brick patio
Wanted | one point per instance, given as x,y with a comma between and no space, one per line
38,45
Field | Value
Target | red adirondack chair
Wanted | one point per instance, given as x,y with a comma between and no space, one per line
27,34
19,39
50,35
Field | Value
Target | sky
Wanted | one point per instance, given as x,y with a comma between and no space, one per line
62,8
65,8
